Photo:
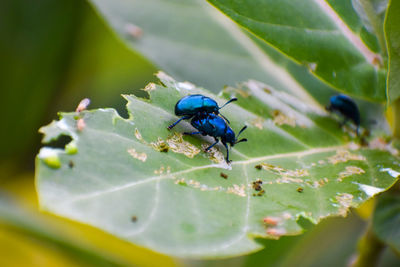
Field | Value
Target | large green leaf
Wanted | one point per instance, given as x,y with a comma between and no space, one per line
386,219
117,174
392,29
193,41
314,33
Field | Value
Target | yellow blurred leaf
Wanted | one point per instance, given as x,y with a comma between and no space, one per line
97,241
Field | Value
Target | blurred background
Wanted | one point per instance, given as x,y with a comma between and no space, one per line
52,55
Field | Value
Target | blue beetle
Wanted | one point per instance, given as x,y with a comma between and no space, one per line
213,125
344,105
192,105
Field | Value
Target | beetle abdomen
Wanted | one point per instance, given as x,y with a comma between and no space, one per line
347,107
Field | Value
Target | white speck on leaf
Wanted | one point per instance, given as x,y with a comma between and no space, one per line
391,172
137,155
368,189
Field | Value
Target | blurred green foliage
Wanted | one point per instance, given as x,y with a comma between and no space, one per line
53,54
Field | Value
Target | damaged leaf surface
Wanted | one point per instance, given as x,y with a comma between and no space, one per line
159,189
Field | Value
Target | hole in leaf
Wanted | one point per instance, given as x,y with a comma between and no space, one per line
305,223
61,142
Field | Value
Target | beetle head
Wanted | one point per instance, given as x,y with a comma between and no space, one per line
232,139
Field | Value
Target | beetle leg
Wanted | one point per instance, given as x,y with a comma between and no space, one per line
186,133
175,123
227,152
216,142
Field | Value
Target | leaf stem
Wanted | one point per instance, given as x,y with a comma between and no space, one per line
376,24
370,249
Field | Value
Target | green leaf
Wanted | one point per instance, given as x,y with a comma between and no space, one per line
194,42
20,223
315,34
392,30
155,188
386,220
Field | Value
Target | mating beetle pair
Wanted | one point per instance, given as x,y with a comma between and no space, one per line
204,113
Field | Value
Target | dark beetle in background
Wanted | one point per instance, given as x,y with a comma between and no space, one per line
345,106
213,125
193,105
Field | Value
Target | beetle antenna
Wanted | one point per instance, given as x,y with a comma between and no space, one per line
244,128
225,118
232,100
241,140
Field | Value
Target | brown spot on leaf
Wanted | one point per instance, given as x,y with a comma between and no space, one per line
300,189
257,185
150,87
344,156
344,201
350,170
284,172
138,135
319,183
214,154
281,119
160,145
140,156
178,145
258,122
237,190
71,164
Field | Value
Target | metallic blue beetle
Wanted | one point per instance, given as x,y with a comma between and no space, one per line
215,126
193,105
345,106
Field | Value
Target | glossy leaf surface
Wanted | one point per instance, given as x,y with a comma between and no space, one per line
392,28
193,41
158,189
324,35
